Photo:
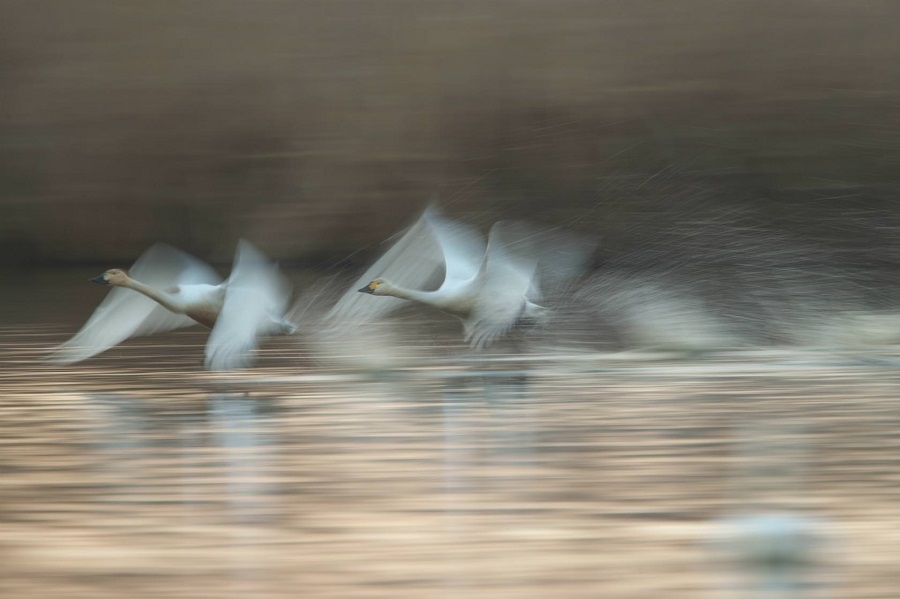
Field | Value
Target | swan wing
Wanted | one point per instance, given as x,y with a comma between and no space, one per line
413,261
125,313
462,248
256,297
560,255
505,278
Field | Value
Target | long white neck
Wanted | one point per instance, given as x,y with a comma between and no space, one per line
455,305
423,297
161,297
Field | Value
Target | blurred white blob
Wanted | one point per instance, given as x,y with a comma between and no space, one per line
776,555
646,313
168,289
771,546
490,287
858,329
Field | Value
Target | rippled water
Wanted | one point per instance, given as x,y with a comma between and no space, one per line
138,474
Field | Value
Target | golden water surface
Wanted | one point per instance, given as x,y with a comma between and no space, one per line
138,474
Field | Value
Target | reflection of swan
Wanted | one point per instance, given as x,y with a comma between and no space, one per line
175,290
488,288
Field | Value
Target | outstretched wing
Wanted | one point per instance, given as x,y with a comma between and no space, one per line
506,276
125,313
256,297
462,248
413,261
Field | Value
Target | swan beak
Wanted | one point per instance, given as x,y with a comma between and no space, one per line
367,289
99,280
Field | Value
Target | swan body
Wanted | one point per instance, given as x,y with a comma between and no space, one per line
489,286
167,289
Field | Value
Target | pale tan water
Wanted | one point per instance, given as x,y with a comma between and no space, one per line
137,474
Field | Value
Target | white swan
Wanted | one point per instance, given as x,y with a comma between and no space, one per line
167,289
488,287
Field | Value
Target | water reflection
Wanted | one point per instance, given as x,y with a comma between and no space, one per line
130,476
144,450
239,428
487,423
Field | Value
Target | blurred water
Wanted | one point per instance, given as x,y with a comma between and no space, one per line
139,474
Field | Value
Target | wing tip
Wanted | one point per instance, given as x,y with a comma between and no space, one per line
66,355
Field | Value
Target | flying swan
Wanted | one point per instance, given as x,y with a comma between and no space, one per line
167,289
488,287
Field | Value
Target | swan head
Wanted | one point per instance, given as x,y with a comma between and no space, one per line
113,276
376,287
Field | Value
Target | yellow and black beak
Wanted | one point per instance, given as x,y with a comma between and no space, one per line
370,288
99,280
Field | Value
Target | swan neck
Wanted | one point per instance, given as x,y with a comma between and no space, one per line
160,297
424,297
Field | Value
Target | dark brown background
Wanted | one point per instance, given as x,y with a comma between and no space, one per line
318,128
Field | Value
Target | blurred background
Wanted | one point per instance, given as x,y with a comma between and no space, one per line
318,128
736,161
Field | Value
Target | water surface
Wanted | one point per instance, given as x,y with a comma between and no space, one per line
139,474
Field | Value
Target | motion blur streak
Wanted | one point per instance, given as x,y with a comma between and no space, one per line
710,412
535,474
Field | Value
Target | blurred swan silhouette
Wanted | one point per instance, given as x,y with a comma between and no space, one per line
489,287
175,290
